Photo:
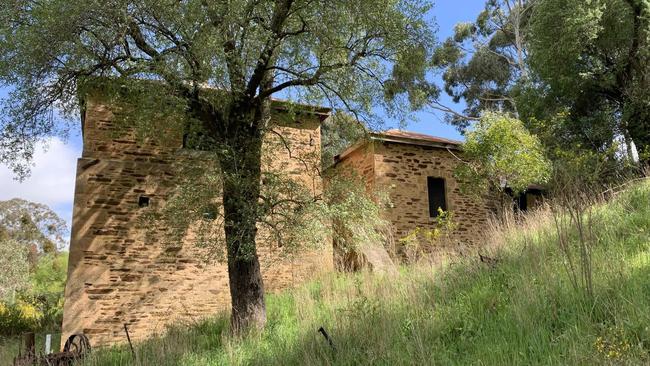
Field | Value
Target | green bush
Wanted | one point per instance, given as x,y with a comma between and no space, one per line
40,306
19,317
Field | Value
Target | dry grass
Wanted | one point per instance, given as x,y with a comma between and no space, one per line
519,308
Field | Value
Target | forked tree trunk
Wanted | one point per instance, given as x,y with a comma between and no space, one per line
241,169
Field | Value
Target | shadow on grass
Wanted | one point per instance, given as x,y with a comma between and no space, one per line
522,310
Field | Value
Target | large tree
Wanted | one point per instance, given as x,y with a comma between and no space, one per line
33,225
29,232
485,62
574,71
219,63
593,59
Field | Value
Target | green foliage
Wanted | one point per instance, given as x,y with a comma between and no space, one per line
47,288
484,63
19,317
15,268
34,271
38,306
596,68
32,224
339,132
580,90
356,215
51,50
560,54
500,152
419,242
521,310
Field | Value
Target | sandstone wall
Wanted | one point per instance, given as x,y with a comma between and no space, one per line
358,164
117,276
404,168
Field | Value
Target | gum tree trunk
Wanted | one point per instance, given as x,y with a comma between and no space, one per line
241,168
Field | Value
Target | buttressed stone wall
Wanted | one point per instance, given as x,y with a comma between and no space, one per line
118,276
400,163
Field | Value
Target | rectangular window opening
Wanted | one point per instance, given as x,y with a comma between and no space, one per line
143,201
437,197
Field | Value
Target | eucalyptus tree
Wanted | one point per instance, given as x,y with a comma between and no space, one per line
593,57
218,63
29,233
33,225
574,71
485,62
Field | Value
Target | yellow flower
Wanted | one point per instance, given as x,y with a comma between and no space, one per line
29,311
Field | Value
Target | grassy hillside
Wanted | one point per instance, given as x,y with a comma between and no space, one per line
521,310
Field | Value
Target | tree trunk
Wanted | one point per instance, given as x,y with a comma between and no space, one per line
241,168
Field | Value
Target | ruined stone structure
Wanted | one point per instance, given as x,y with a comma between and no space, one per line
117,276
417,172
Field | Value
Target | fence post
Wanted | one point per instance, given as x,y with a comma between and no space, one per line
30,344
48,344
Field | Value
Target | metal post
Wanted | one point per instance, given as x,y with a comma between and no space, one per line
128,338
48,344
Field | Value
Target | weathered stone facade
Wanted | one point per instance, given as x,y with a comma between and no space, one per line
399,163
117,276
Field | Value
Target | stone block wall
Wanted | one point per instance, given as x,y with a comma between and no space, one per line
405,168
118,276
359,164
401,170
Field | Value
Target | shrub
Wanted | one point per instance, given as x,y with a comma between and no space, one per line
40,306
19,317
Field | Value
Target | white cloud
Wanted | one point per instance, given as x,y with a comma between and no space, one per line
52,179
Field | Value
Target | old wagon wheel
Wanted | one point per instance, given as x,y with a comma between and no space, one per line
77,344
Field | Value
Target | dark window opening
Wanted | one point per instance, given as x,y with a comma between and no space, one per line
437,197
522,202
210,213
143,201
186,142
526,200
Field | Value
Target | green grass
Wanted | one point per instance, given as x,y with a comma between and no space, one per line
522,311
11,345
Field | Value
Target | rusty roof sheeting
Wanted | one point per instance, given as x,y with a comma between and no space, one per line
404,137
416,136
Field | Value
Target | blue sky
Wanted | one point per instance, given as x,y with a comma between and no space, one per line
53,173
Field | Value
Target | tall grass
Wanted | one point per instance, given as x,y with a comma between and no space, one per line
519,308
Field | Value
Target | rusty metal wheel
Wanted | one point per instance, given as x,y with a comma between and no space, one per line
77,344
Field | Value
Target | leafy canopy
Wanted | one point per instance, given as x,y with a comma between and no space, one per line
486,61
336,52
15,268
596,69
32,225
501,153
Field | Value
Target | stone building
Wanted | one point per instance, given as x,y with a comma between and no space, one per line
417,172
116,275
